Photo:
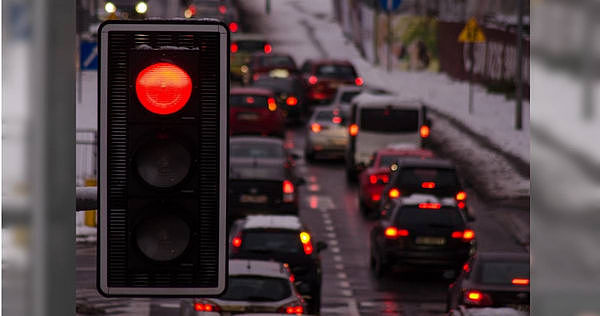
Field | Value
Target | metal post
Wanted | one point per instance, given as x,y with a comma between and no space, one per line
471,66
268,7
389,35
519,79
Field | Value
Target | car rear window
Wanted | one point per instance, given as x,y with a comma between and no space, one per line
256,289
248,101
327,116
389,120
250,46
271,241
276,61
414,177
246,149
336,71
256,172
503,272
444,217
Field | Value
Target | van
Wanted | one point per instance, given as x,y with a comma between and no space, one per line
377,121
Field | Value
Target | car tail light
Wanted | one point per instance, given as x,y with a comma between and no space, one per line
393,232
374,178
359,81
466,267
268,48
315,127
255,77
478,298
236,242
336,120
520,281
461,205
424,131
222,9
205,307
234,47
291,309
466,235
430,206
312,80
375,197
394,193
288,191
292,278
306,244
353,130
291,101
272,104
163,88
461,196
428,185
233,27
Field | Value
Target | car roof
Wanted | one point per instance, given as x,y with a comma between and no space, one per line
425,163
247,37
251,90
256,139
418,198
273,222
367,99
257,267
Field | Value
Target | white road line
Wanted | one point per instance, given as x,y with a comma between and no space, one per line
347,293
342,275
339,266
314,187
337,258
335,250
327,221
344,284
329,228
333,242
331,235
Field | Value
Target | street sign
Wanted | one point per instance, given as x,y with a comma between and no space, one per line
163,109
88,57
472,33
390,5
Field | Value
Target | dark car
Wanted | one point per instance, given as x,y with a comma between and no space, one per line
323,77
421,231
261,64
261,177
254,111
285,239
436,177
492,279
289,92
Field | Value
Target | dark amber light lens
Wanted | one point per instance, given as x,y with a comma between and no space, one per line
163,164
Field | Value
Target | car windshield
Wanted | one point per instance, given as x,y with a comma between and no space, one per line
250,46
276,61
328,116
503,272
348,96
414,177
389,120
256,289
336,71
444,217
246,149
271,241
248,101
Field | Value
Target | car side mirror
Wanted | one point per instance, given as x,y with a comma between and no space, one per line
321,245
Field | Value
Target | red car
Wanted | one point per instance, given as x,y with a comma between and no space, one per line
323,77
254,111
373,179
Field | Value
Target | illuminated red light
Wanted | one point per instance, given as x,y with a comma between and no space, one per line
394,193
457,234
393,232
308,248
250,100
315,127
192,9
432,206
353,130
461,196
222,9
205,307
468,235
428,185
272,104
288,187
336,120
294,310
233,27
292,278
163,88
461,205
474,296
519,281
466,267
268,48
376,197
291,101
234,47
359,81
424,131
312,79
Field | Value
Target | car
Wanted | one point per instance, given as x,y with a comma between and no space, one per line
373,179
377,121
261,177
323,77
434,176
254,286
285,239
254,111
492,279
421,231
326,133
279,65
288,90
345,94
242,47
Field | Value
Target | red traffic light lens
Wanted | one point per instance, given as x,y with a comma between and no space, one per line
163,88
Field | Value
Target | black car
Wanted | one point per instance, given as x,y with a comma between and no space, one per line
431,176
421,231
262,63
261,177
285,239
289,92
492,279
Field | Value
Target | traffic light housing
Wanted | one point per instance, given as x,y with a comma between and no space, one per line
163,115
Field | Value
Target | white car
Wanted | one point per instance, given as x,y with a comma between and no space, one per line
326,133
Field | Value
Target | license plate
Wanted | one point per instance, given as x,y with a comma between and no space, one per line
248,116
434,241
339,142
247,198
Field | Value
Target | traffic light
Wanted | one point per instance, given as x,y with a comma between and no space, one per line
163,115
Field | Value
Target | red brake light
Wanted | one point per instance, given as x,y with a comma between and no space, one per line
250,100
236,242
315,127
308,248
234,47
288,187
394,193
461,205
519,281
424,131
461,196
457,234
336,120
475,296
353,130
431,206
379,177
468,235
291,101
233,27
292,309
222,9
376,197
163,88
268,48
272,104
428,185
312,79
393,232
200,307
466,267
292,278
359,81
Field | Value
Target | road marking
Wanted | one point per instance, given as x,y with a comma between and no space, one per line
312,179
337,258
347,292
342,275
368,304
327,221
339,266
329,228
335,250
333,242
314,187
331,235
344,284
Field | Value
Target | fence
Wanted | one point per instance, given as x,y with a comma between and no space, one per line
86,156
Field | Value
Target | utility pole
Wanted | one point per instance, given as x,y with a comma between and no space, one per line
519,77
389,36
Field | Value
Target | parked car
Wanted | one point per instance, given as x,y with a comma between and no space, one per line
492,279
279,65
289,93
243,46
254,286
324,76
377,175
377,121
285,239
326,133
421,231
254,111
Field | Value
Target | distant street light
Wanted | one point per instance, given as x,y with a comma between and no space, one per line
141,7
110,7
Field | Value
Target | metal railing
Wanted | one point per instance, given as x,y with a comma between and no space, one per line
86,154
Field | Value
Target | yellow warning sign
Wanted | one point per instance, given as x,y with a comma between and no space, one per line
472,33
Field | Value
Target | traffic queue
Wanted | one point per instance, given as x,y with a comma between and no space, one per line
423,219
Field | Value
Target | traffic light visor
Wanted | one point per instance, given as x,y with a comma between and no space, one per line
163,88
